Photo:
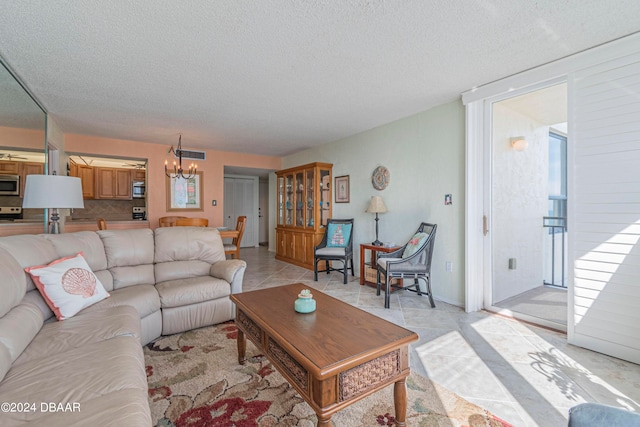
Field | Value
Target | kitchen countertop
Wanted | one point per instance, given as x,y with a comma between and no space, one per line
81,220
21,221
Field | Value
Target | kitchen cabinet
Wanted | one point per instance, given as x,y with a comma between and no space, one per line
113,183
303,202
87,177
138,175
9,168
29,168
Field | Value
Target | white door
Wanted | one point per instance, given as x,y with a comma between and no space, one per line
605,213
263,212
241,198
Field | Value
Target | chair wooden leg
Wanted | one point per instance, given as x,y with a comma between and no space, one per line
326,266
315,269
377,282
353,274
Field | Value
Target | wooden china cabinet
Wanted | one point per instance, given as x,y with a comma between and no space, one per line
303,203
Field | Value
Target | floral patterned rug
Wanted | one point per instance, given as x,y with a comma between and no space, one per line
195,380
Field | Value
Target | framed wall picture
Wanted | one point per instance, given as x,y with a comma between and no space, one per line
184,195
342,189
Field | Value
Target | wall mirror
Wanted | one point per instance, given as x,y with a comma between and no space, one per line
23,127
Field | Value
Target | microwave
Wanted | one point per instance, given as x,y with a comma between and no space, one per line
139,190
9,185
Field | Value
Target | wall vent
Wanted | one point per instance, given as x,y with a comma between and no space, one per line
191,154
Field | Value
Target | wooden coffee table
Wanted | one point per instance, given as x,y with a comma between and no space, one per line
334,356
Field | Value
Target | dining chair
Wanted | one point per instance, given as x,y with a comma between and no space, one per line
102,224
169,221
412,261
233,248
336,245
193,222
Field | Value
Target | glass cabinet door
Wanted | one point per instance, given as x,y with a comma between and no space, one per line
325,196
309,202
299,199
280,200
289,217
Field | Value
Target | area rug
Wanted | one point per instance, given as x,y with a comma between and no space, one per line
195,380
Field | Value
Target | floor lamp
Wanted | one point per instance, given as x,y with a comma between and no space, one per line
53,192
376,206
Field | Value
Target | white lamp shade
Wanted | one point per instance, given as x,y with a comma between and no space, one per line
52,191
376,205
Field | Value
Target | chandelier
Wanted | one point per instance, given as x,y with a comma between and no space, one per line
178,171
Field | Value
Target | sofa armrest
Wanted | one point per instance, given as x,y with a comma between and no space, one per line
232,271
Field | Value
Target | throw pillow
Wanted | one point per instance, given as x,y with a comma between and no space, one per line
67,285
338,235
414,244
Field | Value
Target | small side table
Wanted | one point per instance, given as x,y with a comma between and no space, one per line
372,262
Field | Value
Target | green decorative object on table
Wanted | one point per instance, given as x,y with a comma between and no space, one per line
305,302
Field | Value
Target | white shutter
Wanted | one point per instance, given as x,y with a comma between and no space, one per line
604,207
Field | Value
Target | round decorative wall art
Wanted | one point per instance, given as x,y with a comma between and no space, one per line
380,178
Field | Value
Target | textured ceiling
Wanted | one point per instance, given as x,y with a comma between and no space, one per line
273,76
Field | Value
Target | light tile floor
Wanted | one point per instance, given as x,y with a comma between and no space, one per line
543,302
528,376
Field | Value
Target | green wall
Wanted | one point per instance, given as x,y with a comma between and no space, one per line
424,154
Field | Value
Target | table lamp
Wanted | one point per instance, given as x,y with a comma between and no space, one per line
53,192
376,205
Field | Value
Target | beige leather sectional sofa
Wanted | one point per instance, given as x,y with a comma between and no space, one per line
89,369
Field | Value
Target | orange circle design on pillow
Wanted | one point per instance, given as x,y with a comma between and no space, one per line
78,281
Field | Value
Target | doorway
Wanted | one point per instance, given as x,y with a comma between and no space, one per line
241,198
527,206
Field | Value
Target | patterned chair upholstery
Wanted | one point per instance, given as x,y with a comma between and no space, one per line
336,245
412,261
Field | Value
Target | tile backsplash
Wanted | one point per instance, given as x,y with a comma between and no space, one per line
114,210
9,201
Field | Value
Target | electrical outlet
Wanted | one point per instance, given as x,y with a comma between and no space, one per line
449,266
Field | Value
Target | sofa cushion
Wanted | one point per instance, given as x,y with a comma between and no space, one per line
129,256
17,329
188,317
78,375
90,244
80,330
176,293
87,242
29,250
132,275
68,285
144,298
122,408
188,243
125,248
20,317
13,285
176,270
